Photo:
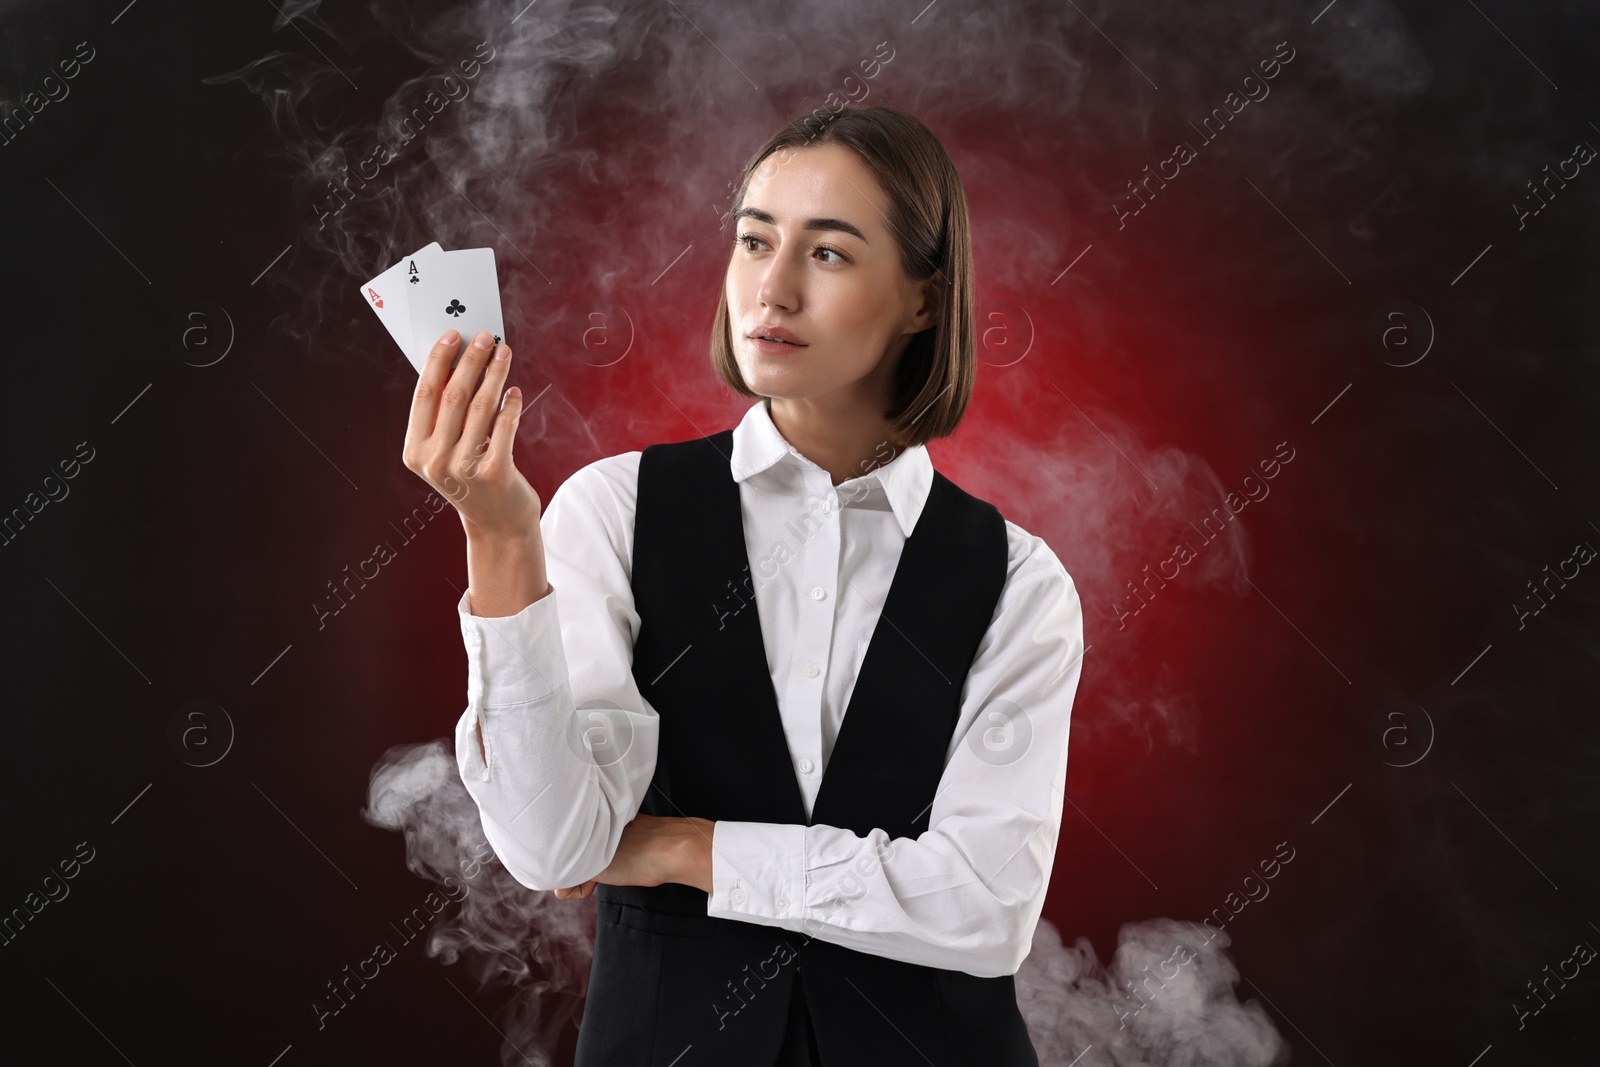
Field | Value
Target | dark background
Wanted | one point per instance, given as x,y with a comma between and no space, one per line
1346,670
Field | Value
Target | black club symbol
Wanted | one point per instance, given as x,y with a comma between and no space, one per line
456,307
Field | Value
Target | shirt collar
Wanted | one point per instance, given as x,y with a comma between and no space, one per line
904,481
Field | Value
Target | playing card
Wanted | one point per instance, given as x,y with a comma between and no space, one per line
386,296
452,290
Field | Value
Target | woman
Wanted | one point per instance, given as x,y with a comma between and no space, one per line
797,711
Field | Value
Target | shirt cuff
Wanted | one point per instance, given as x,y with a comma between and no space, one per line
758,872
513,659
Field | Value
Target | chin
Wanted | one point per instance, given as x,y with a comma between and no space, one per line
777,382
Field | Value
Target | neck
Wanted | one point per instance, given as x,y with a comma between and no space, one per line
846,444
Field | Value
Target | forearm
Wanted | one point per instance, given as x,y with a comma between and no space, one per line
555,783
553,818
693,866
928,901
503,577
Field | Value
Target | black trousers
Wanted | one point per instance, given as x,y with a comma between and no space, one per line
799,1048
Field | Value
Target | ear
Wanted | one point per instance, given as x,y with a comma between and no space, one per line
931,293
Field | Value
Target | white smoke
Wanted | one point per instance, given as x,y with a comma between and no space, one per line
1186,1018
1136,1012
501,928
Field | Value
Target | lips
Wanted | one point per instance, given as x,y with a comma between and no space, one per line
773,333
774,347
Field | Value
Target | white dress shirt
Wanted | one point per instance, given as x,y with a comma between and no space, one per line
964,895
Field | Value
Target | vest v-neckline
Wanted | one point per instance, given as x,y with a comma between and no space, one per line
894,618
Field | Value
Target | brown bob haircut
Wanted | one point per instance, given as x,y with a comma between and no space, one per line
928,218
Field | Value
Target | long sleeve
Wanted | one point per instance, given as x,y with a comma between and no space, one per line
967,893
569,745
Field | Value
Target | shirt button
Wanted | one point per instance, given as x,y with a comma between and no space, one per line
806,766
736,895
782,903
827,506
812,671
818,593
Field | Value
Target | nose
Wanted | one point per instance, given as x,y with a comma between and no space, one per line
778,285
776,289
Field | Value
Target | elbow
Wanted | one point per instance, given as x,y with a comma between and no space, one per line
541,877
537,868
1001,948
1022,921
1007,939
534,880
1004,944
527,872
1018,944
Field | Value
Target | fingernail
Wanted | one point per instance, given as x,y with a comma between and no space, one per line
501,352
483,340
450,337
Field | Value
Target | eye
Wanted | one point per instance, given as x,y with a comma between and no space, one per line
743,239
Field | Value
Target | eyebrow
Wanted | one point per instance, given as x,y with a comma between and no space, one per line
810,224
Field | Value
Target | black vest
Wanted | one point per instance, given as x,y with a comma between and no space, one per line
669,981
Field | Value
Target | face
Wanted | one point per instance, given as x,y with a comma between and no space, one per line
814,256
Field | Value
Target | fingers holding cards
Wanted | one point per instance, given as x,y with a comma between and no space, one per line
440,361
453,415
486,412
452,404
